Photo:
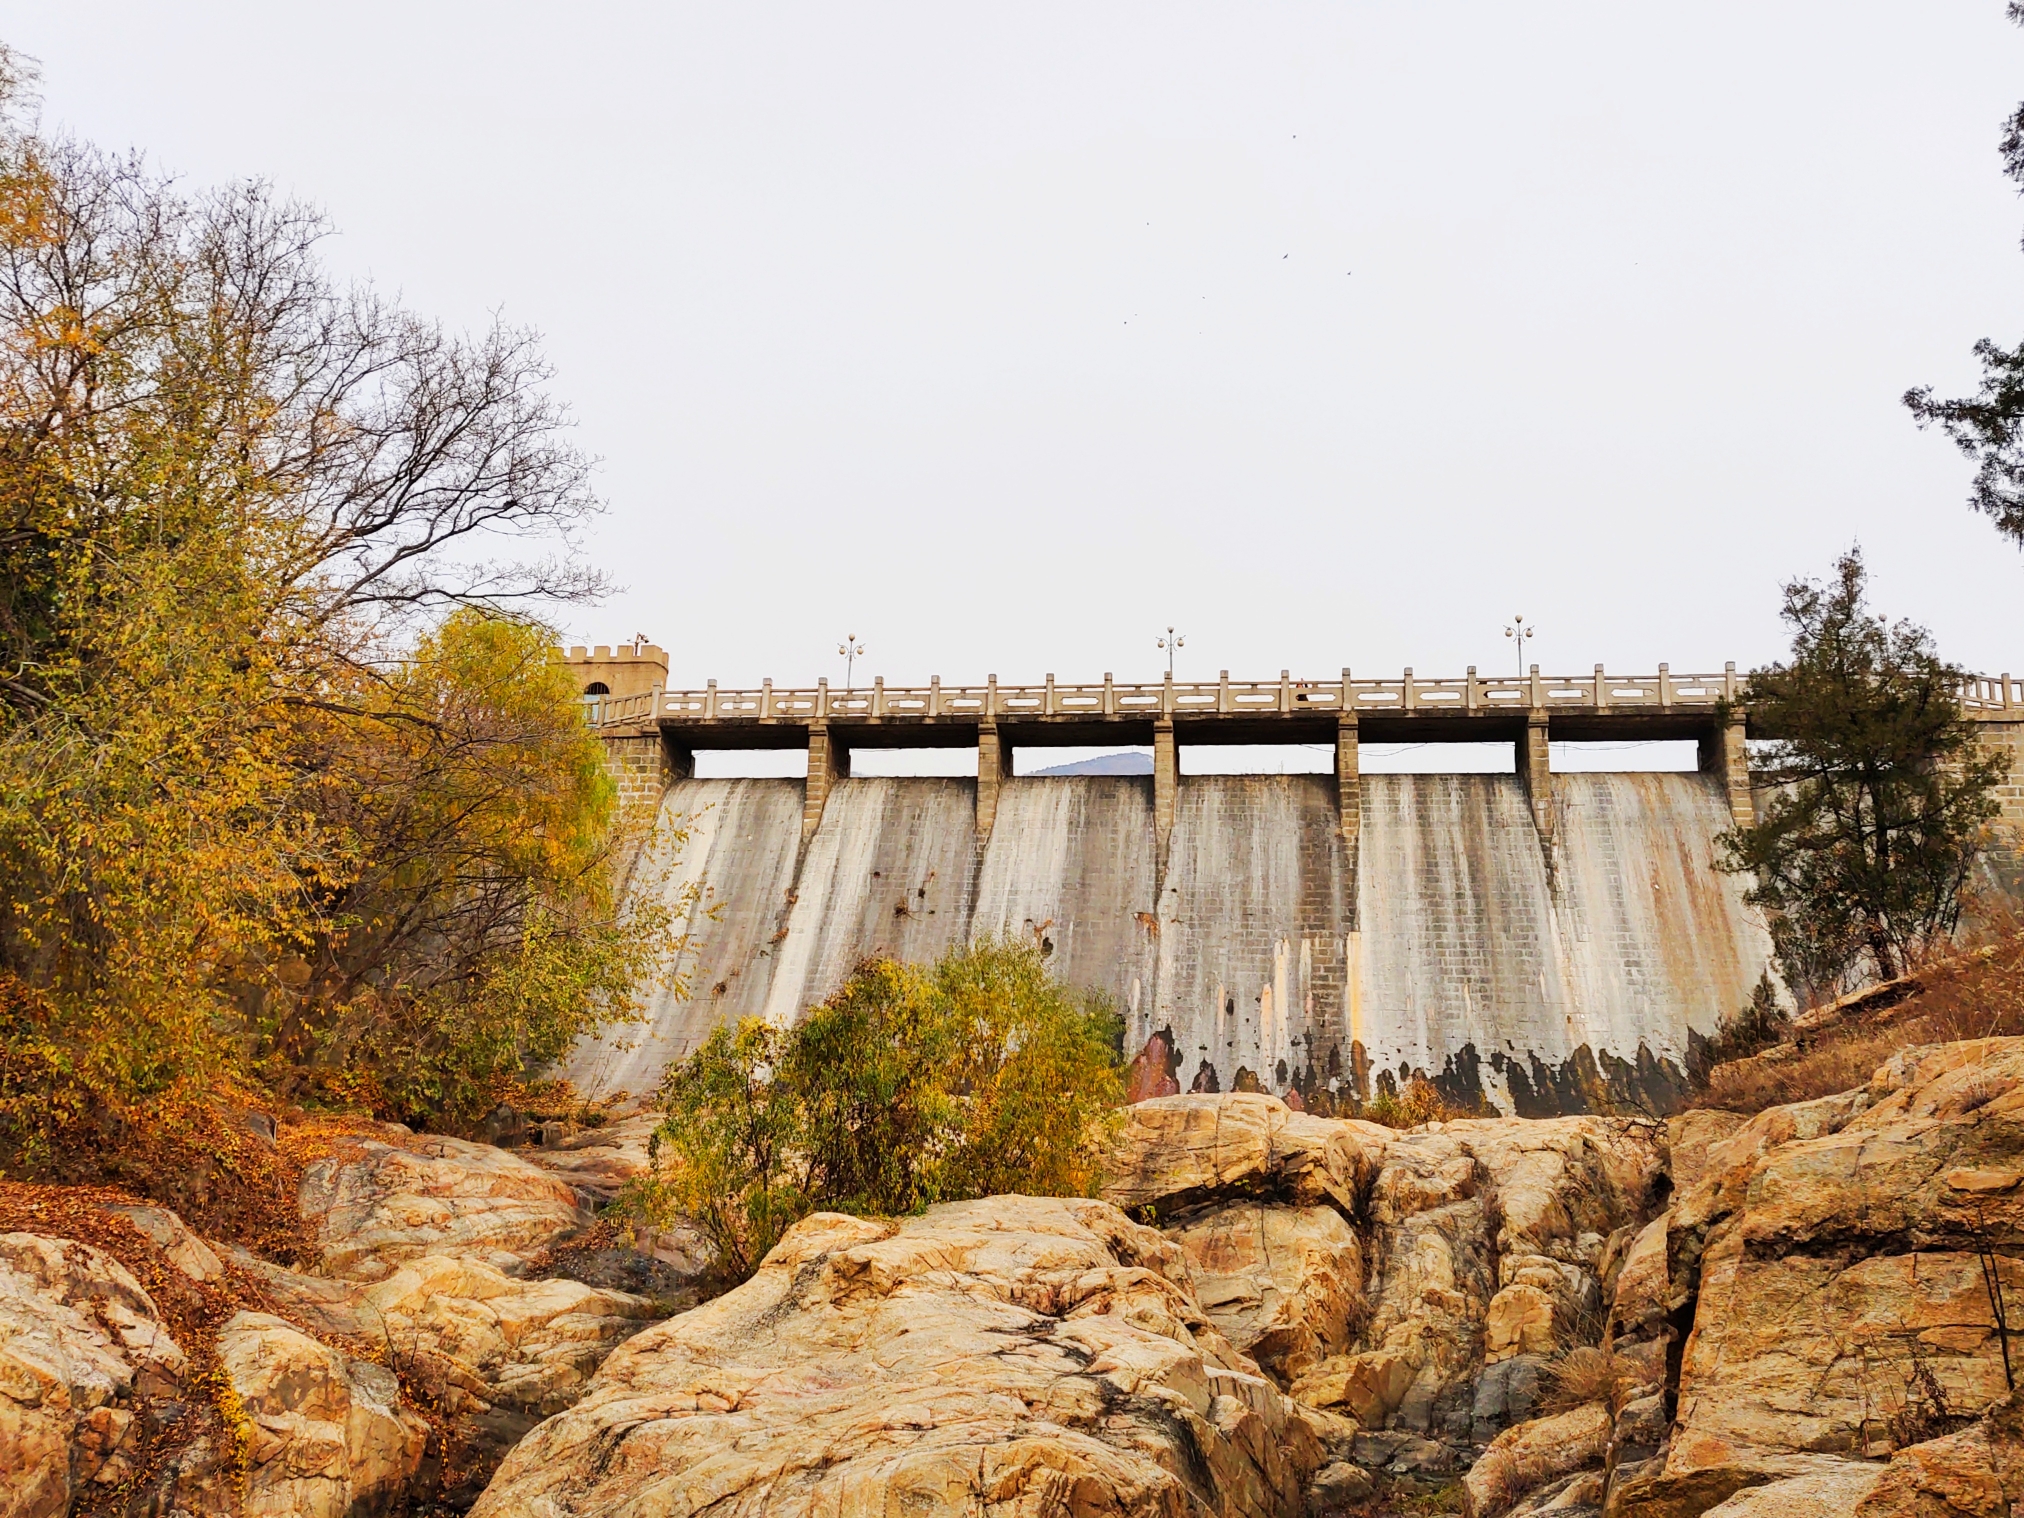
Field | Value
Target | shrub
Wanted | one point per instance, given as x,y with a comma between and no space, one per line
1420,1102
910,1085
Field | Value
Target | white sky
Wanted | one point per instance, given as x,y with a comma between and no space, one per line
1331,333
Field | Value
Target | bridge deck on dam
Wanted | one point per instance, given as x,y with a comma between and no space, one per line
1533,940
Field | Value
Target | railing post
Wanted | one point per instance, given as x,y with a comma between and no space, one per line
1109,696
822,698
1469,690
1223,691
990,698
1665,688
1346,704
1285,692
1412,699
1601,691
1729,681
766,698
1047,704
710,699
1167,696
878,696
934,695
2006,690
1538,692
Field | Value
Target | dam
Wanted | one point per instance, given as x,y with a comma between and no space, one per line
1533,941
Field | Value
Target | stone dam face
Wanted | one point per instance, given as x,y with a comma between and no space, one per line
1455,944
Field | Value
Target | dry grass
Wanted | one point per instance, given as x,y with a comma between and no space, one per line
1590,1374
1977,995
1420,1102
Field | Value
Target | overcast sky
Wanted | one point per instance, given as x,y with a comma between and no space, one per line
1003,336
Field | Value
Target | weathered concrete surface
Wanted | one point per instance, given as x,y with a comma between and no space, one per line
1014,1355
1266,952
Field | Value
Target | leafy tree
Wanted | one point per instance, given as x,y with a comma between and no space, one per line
909,1086
1989,426
1881,790
262,808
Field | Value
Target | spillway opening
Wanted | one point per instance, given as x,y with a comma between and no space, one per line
1038,761
913,763
1437,758
1659,756
1257,758
752,764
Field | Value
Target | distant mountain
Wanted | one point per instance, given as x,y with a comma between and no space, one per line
1105,764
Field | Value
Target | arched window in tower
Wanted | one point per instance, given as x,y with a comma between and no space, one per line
597,688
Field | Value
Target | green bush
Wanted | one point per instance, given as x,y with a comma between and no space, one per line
911,1085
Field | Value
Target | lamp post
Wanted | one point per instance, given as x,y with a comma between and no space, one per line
1170,643
852,651
1518,632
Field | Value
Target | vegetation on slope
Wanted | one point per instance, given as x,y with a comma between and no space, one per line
913,1084
293,798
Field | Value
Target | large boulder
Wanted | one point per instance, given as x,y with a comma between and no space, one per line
493,1354
1283,1284
83,1352
1180,1152
381,1202
1012,1355
325,1434
1839,1273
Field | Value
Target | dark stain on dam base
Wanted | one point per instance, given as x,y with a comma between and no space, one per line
1584,1082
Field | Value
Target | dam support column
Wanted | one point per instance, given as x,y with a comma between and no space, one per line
1535,768
1166,788
1725,755
828,762
994,768
1348,784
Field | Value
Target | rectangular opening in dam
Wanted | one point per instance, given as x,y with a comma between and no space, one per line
913,763
1257,758
751,764
1123,760
1437,758
1656,756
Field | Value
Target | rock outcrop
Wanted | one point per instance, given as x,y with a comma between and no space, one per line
1841,1261
1419,1281
85,1359
386,1201
1013,1355
325,1434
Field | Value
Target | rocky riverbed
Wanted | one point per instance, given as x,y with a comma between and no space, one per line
1812,1311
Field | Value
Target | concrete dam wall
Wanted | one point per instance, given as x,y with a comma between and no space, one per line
1272,953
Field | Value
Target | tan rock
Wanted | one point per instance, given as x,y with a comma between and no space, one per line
1282,1283
1010,1356
328,1434
1529,1455
1976,1473
384,1202
1688,1138
80,1344
170,1234
1643,1293
1832,1491
598,1162
1178,1152
1831,1252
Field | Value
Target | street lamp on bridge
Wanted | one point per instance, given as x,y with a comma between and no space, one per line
1519,632
1170,643
852,651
